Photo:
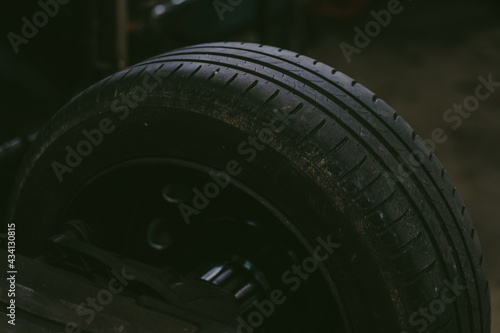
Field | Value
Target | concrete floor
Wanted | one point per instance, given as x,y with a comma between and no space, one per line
424,63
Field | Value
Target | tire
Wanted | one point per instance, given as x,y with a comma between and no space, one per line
343,165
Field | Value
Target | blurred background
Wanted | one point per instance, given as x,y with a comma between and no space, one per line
424,61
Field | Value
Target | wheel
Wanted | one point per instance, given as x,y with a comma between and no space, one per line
243,154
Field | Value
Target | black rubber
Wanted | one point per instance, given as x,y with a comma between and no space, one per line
342,166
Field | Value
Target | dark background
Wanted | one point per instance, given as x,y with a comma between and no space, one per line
427,59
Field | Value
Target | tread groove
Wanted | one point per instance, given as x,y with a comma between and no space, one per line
353,169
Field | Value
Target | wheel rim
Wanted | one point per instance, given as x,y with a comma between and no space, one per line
134,208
